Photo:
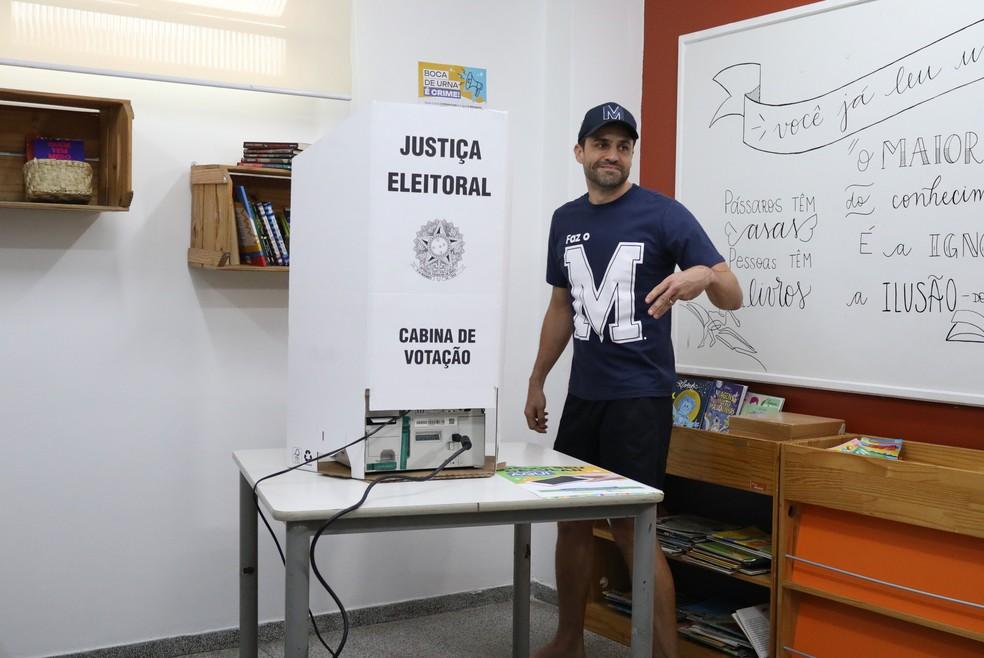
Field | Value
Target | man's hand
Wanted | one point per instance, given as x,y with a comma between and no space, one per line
684,285
536,409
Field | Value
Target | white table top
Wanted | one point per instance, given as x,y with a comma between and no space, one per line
305,495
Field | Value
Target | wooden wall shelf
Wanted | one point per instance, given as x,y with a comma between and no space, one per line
105,125
214,244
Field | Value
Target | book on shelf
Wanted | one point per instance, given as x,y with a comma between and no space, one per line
710,622
283,221
760,404
621,601
276,145
49,148
754,623
690,398
242,199
726,400
730,553
279,256
271,153
749,539
267,209
870,446
263,165
250,249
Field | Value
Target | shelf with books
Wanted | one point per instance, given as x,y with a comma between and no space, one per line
733,476
881,556
220,220
103,125
602,531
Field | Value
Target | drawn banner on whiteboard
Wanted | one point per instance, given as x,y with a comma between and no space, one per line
945,65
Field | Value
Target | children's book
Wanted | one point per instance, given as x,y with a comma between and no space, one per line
760,404
726,400
570,481
250,250
748,538
690,398
870,446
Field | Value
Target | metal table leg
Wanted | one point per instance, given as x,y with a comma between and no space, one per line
297,592
521,590
247,571
643,563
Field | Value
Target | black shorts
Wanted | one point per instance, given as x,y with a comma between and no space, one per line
630,437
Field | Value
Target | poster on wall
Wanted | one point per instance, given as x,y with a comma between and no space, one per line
451,84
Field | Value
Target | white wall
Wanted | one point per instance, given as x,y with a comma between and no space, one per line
130,378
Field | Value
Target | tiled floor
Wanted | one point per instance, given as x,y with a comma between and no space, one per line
482,632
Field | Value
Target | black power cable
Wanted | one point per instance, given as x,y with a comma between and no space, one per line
273,535
466,445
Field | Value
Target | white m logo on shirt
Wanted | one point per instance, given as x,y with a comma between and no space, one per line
593,306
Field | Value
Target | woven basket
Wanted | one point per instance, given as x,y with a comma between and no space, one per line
61,181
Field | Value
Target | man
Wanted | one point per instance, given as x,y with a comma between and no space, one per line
611,259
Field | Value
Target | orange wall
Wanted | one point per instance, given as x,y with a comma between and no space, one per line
665,21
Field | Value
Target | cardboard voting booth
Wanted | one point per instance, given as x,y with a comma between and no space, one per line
398,235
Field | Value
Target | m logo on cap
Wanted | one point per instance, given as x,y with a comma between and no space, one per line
611,113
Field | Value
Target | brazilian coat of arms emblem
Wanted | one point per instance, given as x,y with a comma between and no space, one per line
438,249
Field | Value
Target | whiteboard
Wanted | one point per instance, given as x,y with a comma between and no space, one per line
835,155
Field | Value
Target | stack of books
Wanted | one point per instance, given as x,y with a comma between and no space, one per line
715,545
262,230
618,600
745,550
270,155
711,623
680,533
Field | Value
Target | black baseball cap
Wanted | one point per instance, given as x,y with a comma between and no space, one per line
603,115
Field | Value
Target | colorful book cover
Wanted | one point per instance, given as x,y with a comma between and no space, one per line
760,404
748,538
250,251
258,225
570,481
47,148
690,398
726,400
869,446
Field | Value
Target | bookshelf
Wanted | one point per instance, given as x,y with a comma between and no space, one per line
856,530
737,476
105,125
214,245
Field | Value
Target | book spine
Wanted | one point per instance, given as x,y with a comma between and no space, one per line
263,158
278,256
272,220
248,208
273,145
284,223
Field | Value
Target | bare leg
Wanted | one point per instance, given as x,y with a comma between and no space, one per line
664,604
575,549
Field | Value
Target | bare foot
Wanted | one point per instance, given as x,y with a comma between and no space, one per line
558,650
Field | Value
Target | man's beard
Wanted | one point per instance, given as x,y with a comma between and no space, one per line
606,179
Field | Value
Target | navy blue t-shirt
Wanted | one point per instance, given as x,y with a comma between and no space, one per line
610,256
